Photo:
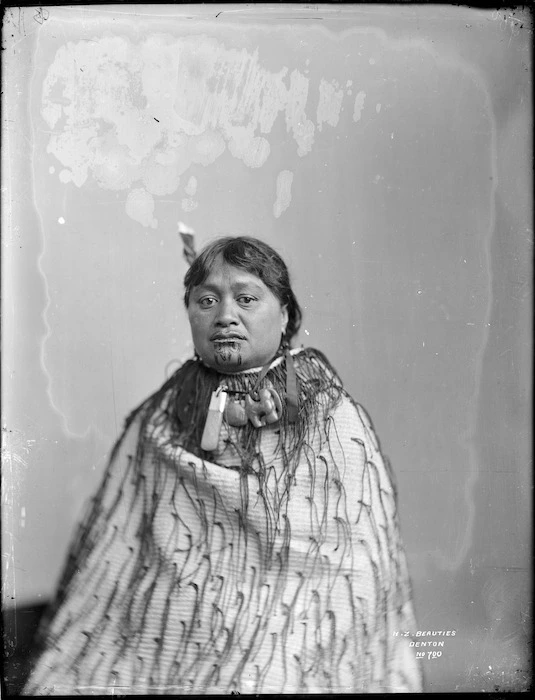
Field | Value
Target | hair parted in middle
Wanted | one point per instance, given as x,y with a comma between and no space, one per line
257,258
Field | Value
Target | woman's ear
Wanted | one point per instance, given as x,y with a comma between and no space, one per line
284,318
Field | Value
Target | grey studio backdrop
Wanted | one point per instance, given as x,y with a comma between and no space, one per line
385,152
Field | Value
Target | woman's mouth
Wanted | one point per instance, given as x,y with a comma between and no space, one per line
229,343
230,337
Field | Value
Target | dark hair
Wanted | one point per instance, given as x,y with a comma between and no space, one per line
257,258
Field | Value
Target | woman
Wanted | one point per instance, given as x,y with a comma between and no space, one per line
245,537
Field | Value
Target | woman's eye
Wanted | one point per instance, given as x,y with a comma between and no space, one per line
246,301
207,302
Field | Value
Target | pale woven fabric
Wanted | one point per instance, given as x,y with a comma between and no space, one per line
202,577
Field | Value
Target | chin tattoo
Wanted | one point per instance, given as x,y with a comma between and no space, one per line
226,353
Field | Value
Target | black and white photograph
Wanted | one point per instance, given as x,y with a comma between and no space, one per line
267,319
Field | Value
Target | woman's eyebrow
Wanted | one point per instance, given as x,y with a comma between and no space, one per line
236,287
240,286
205,287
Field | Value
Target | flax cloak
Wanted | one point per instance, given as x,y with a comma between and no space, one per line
272,565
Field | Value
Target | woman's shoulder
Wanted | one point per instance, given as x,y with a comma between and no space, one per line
313,359
314,362
318,379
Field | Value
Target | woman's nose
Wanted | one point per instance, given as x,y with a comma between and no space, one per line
226,313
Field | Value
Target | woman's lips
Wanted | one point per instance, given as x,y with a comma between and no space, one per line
227,342
220,338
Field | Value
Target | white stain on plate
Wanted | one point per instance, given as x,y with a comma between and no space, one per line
71,148
359,105
140,207
329,103
296,120
65,176
284,192
253,150
191,187
188,204
136,116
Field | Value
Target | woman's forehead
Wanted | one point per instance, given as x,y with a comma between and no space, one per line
224,275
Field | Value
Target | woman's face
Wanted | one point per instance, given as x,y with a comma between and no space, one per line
236,320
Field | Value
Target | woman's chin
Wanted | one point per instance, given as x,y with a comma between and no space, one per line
230,362
226,363
231,365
